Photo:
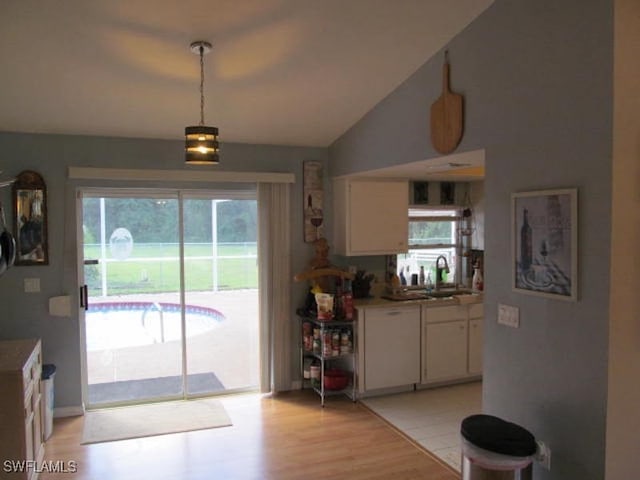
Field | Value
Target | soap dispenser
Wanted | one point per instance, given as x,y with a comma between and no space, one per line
477,282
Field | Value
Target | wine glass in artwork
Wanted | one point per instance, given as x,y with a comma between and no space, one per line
544,251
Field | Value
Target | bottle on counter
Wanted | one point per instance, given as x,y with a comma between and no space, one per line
477,282
421,278
429,283
347,301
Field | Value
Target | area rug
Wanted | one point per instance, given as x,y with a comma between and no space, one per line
132,390
138,421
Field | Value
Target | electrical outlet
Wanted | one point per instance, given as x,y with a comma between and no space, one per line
31,285
508,315
543,455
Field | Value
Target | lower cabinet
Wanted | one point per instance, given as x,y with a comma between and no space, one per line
476,338
452,342
409,345
392,347
446,351
476,342
21,437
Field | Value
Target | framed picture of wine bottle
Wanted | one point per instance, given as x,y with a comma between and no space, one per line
545,243
313,193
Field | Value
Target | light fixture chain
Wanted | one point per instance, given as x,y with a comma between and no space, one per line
201,85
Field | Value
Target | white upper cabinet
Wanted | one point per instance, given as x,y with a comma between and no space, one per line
371,217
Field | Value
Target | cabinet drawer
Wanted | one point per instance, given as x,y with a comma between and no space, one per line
28,374
446,314
32,369
476,310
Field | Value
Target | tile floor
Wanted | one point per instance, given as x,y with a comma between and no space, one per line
432,417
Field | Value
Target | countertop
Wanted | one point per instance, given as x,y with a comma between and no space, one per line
372,302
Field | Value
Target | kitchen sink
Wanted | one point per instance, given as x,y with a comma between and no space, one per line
448,293
423,295
408,295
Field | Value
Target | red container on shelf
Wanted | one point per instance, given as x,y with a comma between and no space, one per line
335,379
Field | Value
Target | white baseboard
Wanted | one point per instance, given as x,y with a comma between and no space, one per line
60,412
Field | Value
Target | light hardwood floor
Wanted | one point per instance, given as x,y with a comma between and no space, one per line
288,436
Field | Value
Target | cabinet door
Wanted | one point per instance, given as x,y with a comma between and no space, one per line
392,347
30,452
446,355
379,217
371,217
475,346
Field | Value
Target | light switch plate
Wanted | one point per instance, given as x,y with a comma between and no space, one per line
508,315
31,285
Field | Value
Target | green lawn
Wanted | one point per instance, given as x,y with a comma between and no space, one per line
158,269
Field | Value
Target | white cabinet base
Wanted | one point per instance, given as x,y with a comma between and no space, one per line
446,352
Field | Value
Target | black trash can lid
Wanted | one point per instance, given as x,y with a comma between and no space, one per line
499,436
48,369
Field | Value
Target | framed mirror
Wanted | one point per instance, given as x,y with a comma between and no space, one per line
30,219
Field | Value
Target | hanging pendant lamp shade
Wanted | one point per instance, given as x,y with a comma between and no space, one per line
201,142
201,145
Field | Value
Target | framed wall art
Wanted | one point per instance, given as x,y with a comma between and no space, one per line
30,216
313,192
545,243
420,193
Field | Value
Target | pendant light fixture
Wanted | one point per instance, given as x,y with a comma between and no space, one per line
201,142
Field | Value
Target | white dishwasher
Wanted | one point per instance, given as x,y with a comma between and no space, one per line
391,346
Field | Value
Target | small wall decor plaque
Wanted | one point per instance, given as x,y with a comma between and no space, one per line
313,194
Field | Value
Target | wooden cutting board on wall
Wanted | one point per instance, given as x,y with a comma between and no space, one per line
446,115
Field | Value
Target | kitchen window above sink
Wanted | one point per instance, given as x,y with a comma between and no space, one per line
433,233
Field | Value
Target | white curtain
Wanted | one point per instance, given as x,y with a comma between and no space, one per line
275,286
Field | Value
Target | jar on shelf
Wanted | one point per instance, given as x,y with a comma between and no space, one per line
326,343
314,374
306,369
346,345
307,336
335,343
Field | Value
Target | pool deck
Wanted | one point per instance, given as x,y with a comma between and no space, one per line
229,349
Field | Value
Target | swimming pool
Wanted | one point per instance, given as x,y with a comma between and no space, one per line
112,325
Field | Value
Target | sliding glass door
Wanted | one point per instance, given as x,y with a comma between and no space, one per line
221,294
171,289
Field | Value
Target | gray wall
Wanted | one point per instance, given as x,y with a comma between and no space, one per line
537,80
26,314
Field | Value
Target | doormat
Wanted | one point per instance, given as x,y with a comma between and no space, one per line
122,423
132,390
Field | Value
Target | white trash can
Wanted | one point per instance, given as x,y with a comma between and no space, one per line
46,399
494,449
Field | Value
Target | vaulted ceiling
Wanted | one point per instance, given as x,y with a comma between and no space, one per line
286,72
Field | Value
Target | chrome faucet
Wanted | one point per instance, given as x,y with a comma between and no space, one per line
439,271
